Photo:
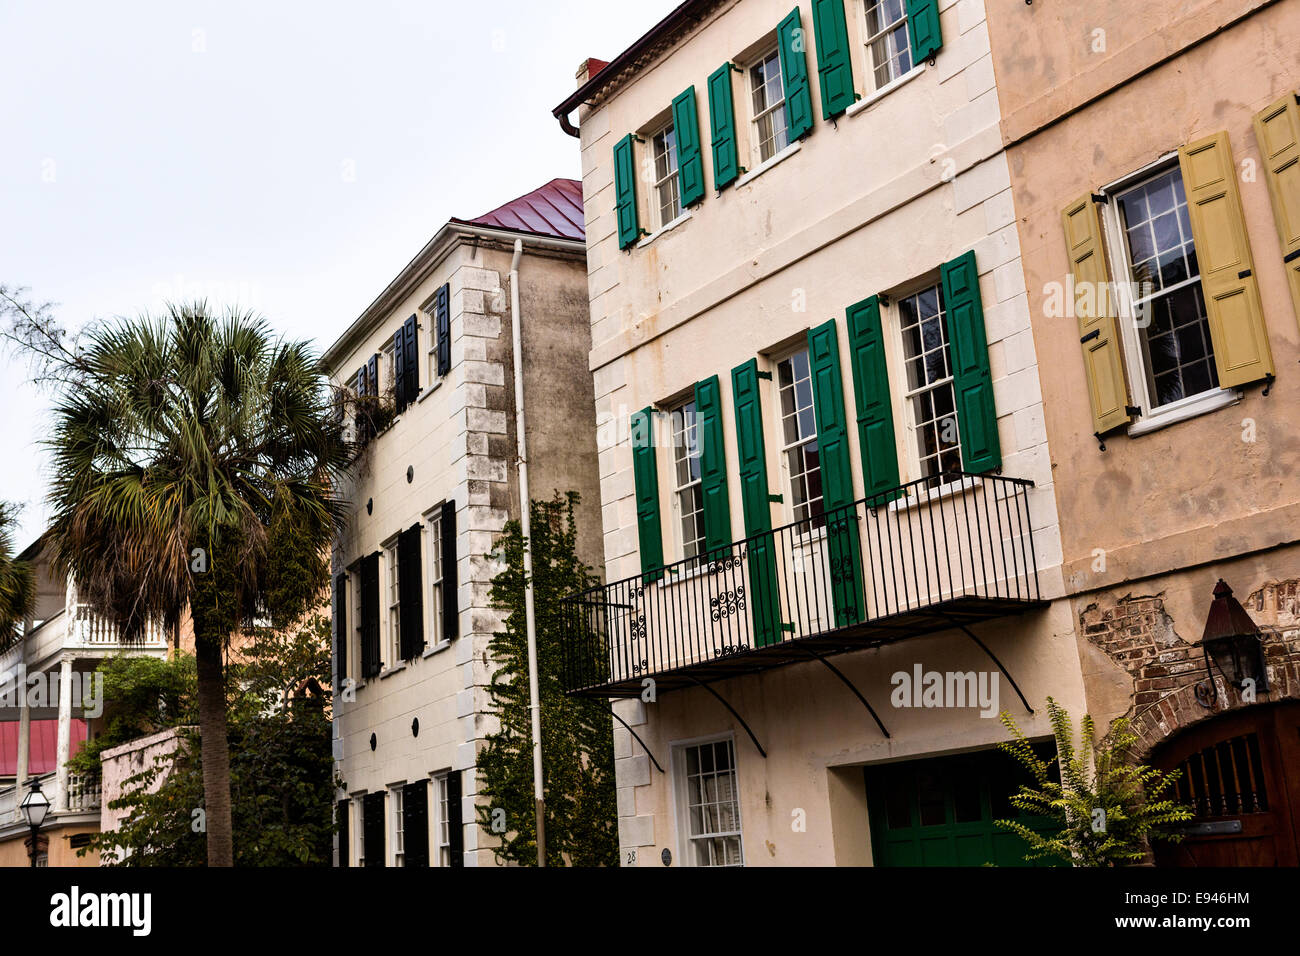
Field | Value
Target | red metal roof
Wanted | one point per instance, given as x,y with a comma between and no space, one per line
553,210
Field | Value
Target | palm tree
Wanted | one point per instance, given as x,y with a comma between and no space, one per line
192,472
17,582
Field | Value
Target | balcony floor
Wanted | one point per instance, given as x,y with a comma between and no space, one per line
872,633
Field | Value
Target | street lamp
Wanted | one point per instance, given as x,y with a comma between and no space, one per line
1232,642
35,806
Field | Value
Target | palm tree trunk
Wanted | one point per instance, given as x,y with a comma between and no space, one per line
214,749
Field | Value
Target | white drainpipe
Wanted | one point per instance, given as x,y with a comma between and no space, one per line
525,518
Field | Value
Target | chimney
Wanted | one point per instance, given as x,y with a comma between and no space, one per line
590,67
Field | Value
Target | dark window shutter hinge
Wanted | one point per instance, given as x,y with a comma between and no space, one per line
765,375
1094,334
1133,411
776,499
1291,256
1243,274
1100,198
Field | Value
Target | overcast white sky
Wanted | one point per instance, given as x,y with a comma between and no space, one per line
287,156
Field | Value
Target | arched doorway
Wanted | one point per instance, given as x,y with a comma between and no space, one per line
1241,776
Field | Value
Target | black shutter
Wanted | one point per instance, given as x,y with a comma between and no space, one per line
411,341
415,823
410,593
442,310
455,832
341,812
372,830
369,612
362,406
399,370
372,375
341,626
450,611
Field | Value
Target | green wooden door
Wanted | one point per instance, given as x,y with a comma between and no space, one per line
941,812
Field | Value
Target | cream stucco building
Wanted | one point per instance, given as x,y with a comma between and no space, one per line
432,363
830,513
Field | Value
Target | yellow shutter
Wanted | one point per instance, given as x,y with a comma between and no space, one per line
1241,349
1094,306
1277,130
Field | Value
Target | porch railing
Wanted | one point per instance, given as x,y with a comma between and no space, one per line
962,542
91,629
84,791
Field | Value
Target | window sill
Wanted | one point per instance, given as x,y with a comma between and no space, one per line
426,392
950,490
776,160
436,648
1184,409
868,101
390,671
646,240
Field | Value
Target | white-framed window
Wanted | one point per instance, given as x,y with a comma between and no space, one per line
398,804
930,408
357,630
389,363
393,594
688,491
1164,323
667,186
889,50
433,561
767,96
799,450
708,799
442,821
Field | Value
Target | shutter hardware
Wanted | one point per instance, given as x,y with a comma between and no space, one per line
1132,410
765,375
1101,198
1094,334
1291,256
1271,378
776,499
1243,274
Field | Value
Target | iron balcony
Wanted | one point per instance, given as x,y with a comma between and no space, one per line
914,560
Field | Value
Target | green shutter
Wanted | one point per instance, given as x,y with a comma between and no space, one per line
977,416
690,160
872,400
629,226
923,29
713,465
722,127
837,474
794,70
834,61
751,455
646,476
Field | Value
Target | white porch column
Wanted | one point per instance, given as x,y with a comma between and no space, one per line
65,733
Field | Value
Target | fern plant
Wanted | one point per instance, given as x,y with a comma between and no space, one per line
1107,808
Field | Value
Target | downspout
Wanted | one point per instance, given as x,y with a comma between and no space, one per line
525,520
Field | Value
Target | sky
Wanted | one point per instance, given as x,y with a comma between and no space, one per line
288,157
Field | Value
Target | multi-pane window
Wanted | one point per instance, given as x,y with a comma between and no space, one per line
712,804
689,491
442,850
767,88
1173,331
888,48
399,827
930,395
394,601
434,564
799,438
667,189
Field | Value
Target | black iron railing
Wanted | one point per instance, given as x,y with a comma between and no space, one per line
964,545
